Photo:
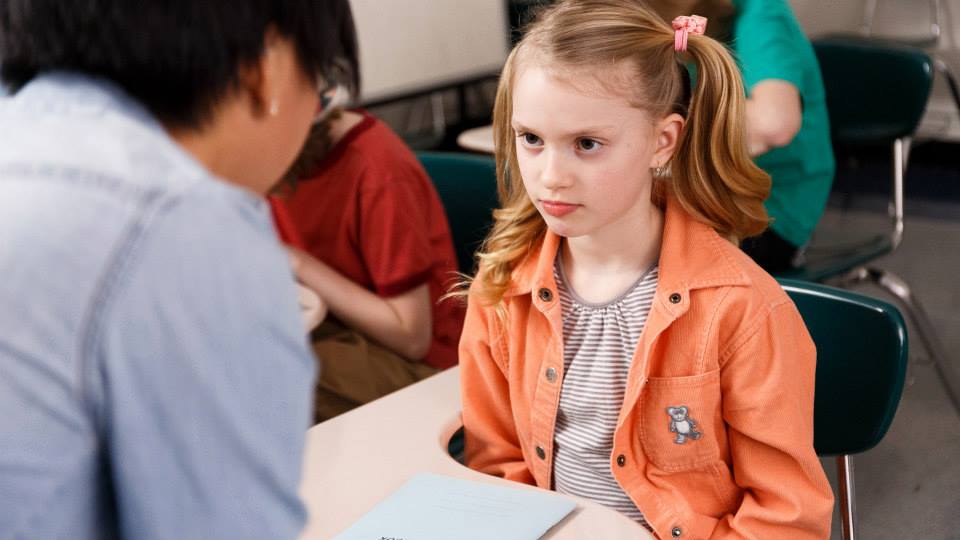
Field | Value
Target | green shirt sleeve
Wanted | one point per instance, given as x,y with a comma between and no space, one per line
768,43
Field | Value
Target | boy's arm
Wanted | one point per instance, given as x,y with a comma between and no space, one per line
772,51
767,382
491,439
402,323
774,115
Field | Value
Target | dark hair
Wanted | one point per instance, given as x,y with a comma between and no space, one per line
347,69
347,73
177,57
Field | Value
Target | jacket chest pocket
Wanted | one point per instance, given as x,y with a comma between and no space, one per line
680,421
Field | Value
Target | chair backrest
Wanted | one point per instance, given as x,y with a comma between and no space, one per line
929,37
876,91
467,185
861,364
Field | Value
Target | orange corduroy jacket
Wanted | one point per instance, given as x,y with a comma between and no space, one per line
723,347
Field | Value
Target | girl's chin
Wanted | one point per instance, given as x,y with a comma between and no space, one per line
566,226
564,229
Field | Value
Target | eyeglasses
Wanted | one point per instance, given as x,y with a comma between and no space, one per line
332,95
327,90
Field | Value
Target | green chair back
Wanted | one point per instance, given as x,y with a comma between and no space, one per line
467,185
861,364
876,91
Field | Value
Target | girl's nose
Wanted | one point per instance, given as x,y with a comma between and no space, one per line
554,173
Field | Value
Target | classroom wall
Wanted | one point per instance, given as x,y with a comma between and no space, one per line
407,45
897,18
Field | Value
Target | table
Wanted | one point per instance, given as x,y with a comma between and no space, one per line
477,139
355,460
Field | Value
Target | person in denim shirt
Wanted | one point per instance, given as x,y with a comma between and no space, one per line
155,381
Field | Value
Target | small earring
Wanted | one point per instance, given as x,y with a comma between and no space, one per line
274,107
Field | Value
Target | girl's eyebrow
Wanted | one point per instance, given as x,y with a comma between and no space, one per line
591,130
517,126
577,133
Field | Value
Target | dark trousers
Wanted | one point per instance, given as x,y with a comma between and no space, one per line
771,251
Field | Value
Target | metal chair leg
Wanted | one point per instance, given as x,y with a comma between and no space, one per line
911,305
848,506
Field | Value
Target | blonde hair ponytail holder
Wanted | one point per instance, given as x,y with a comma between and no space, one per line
683,26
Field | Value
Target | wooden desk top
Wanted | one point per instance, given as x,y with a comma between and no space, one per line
477,139
355,460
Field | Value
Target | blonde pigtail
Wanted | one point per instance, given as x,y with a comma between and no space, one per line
714,177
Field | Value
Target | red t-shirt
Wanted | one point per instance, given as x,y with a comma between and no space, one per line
286,230
372,213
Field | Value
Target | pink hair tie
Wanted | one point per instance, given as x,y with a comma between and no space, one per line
683,26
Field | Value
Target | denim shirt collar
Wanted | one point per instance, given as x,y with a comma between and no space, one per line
78,94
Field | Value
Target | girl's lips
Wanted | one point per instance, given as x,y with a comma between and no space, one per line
557,208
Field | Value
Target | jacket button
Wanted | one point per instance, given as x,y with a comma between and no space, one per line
540,453
545,294
551,374
621,460
675,298
677,532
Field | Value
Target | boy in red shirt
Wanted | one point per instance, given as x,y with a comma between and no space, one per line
379,253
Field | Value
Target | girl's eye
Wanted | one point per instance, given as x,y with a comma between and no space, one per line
587,145
530,139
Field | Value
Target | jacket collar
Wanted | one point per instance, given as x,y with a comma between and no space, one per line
692,256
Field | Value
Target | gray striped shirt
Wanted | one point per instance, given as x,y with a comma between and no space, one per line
599,341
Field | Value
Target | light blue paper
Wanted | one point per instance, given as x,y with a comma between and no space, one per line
434,507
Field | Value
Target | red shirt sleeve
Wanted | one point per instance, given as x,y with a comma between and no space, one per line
394,231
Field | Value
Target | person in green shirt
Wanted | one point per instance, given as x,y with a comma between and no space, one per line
787,126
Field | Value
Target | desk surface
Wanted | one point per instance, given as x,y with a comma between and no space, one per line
477,139
355,460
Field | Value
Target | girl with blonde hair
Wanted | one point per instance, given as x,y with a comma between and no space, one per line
618,345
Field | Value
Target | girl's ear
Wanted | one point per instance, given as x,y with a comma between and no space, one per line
667,133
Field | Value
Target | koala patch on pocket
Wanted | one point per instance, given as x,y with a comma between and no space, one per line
681,424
